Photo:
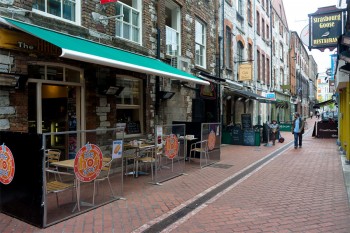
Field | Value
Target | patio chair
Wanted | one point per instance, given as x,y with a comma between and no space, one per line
51,156
147,156
129,155
55,186
104,175
200,147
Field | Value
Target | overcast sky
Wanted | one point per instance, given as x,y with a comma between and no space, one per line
297,16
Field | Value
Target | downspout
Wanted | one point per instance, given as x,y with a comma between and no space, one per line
157,85
218,57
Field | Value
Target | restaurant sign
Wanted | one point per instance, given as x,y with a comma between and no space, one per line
245,72
7,165
171,146
325,28
23,42
88,163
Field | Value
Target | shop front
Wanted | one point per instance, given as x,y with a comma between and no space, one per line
69,84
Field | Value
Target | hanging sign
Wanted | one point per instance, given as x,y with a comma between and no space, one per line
245,72
88,163
326,26
7,165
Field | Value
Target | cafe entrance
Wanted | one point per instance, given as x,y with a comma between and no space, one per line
54,105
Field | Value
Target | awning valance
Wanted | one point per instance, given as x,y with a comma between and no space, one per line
321,104
251,95
89,51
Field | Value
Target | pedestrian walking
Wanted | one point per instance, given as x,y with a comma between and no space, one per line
317,114
311,114
298,130
274,127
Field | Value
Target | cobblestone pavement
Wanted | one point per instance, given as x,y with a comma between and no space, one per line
296,190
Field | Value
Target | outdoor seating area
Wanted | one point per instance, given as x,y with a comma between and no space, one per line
106,165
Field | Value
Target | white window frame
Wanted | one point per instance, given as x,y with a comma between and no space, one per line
77,12
80,110
173,32
200,41
135,8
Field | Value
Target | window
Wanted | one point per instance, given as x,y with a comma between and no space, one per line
64,9
250,52
263,28
268,71
172,28
239,55
128,26
200,40
281,52
239,7
267,31
258,64
267,7
249,12
258,22
228,50
129,101
263,72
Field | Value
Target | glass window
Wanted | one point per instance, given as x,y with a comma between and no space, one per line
240,7
228,50
65,9
129,101
200,39
172,28
53,73
128,26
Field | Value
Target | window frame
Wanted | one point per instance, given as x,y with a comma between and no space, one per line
45,13
202,44
133,25
175,28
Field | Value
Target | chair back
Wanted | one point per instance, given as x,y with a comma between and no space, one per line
52,155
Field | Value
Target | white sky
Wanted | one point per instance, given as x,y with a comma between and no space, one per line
297,17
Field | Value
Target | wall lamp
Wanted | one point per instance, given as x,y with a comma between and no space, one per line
239,98
166,95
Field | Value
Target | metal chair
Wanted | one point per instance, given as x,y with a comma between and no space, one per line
104,175
200,147
51,156
55,186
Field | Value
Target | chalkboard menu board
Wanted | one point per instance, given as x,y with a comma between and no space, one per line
237,136
248,137
133,127
246,121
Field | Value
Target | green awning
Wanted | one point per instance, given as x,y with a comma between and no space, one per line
89,51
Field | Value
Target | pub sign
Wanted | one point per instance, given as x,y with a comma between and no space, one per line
325,28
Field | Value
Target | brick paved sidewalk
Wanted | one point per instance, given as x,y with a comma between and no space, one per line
147,203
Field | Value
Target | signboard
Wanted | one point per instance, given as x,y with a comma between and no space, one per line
208,92
211,140
237,136
271,95
245,72
117,149
171,147
326,27
249,137
7,165
246,120
88,163
24,42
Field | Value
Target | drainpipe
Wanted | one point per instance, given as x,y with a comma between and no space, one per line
157,87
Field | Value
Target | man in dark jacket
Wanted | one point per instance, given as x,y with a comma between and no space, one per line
298,130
